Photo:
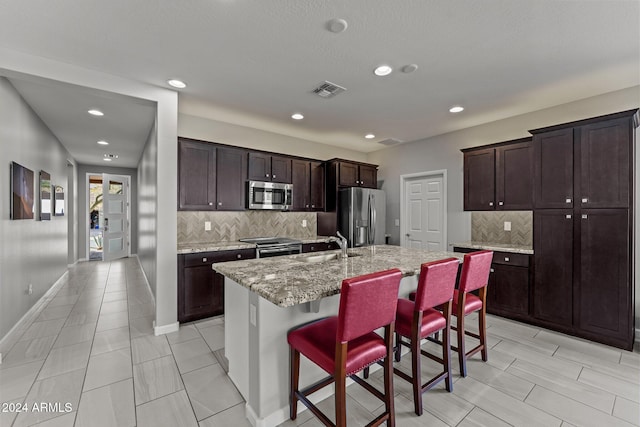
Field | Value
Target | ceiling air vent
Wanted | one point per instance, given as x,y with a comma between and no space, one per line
328,90
390,141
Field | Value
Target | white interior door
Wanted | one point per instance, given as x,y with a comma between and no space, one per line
115,199
424,213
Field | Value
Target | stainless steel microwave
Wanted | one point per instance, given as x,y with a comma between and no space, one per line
269,195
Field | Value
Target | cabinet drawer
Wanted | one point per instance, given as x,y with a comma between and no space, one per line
509,258
320,246
208,258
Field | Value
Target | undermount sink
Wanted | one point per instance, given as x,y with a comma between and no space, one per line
323,257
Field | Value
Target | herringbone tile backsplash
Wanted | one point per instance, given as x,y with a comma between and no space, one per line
231,226
489,227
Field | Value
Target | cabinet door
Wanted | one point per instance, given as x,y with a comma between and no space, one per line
605,158
508,291
281,169
317,184
553,169
232,174
348,174
603,288
553,260
259,167
514,173
368,176
198,292
479,180
300,179
197,176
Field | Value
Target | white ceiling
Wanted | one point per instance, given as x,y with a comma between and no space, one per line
254,63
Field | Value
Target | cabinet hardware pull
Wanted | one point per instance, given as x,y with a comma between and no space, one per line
307,205
584,217
506,259
210,203
204,260
567,200
492,270
568,217
585,200
239,256
219,203
500,203
313,206
490,203
273,176
267,175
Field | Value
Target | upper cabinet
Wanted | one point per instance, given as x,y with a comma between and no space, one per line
210,177
499,176
266,167
308,178
584,164
357,175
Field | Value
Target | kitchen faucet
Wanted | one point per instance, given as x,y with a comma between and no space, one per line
342,242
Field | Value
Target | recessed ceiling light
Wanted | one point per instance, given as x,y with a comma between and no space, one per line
337,25
456,109
110,156
102,142
369,136
409,68
383,70
96,113
179,84
297,116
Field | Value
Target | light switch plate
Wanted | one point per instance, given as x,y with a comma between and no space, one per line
507,226
207,226
304,222
397,222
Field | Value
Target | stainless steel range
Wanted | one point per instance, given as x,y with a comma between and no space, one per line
275,246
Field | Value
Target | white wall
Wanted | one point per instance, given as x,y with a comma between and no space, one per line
241,136
31,251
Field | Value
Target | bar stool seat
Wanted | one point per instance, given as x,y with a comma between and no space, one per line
432,320
472,303
317,341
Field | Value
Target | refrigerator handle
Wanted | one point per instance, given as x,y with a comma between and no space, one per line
372,219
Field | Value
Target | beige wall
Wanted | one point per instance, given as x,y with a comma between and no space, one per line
241,136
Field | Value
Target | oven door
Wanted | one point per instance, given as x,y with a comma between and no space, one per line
277,251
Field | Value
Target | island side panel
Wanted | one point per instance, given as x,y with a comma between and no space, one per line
236,334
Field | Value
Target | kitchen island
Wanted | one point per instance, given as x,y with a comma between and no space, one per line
265,298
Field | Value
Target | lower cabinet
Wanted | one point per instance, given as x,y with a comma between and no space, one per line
320,246
508,291
200,288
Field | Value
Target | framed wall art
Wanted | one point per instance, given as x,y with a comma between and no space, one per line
59,201
45,196
22,192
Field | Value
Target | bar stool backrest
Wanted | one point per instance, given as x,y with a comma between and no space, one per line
475,270
436,283
367,302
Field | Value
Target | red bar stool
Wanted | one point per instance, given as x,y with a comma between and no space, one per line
475,276
417,320
345,344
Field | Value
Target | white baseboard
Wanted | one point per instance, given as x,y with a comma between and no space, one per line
165,329
82,259
71,265
28,318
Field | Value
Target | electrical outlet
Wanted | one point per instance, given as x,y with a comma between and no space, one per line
30,289
507,226
397,222
304,222
207,226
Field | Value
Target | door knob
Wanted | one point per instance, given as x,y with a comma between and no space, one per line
408,235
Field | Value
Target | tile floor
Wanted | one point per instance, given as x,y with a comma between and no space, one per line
92,348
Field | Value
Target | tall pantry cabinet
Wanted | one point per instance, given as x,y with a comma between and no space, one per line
583,227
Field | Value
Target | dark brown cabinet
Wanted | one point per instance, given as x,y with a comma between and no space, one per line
196,175
319,246
231,176
357,175
583,278
553,257
210,177
200,288
308,180
499,176
266,167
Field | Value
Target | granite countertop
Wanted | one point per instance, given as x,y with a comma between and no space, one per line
501,247
287,280
189,248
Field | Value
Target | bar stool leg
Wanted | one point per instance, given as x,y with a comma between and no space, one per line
446,349
398,347
294,357
462,355
388,378
482,325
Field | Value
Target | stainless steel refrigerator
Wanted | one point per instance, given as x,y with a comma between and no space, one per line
361,216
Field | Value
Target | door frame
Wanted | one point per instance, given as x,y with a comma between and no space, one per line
85,209
410,177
